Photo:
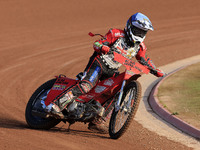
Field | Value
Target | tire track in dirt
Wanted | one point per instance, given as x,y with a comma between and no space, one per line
19,90
32,54
19,86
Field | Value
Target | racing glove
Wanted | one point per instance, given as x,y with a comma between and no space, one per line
105,49
158,73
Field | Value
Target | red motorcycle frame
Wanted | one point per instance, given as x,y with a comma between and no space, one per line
104,89
109,92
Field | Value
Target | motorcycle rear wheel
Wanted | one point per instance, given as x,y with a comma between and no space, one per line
35,121
121,119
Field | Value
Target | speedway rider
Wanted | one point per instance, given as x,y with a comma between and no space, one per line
101,64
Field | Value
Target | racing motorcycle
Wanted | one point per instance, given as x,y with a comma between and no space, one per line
119,95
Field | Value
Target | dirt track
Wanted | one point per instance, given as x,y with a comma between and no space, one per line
41,39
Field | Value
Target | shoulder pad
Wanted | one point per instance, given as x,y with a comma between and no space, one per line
117,33
142,46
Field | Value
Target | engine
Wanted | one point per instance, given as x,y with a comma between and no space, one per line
83,112
76,110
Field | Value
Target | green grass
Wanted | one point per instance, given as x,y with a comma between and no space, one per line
180,94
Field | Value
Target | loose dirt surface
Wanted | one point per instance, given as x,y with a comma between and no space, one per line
41,39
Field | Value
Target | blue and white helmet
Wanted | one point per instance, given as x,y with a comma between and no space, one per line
137,27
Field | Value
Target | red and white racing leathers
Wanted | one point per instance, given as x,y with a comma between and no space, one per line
103,46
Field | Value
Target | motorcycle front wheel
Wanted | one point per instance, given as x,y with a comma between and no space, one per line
121,119
37,122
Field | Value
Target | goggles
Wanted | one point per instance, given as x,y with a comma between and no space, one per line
138,32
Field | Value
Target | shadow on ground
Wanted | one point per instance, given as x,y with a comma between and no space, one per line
16,124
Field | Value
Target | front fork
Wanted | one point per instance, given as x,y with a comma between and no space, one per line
117,104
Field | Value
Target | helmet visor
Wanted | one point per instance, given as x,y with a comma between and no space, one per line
138,32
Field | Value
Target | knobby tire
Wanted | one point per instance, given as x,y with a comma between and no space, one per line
136,97
38,122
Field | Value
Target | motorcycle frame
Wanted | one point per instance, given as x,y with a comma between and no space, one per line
132,72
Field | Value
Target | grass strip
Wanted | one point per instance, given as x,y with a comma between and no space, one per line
180,94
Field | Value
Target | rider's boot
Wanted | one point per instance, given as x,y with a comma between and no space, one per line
57,106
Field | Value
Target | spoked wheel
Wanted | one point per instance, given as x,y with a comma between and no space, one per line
34,102
121,119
